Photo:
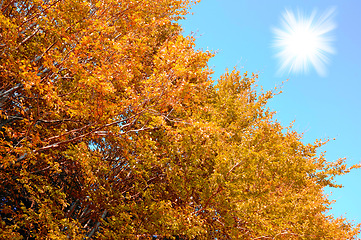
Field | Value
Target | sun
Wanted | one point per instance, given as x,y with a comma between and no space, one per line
304,41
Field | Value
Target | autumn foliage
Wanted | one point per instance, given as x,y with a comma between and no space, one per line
112,128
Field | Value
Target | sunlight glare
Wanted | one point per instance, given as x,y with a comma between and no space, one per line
303,41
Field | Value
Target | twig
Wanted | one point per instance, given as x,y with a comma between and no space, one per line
29,37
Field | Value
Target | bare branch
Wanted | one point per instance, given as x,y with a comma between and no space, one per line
29,37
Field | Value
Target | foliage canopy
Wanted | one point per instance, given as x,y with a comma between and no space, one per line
111,128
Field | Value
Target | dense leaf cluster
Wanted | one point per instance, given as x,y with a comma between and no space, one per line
111,128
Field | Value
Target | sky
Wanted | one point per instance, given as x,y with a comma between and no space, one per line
323,104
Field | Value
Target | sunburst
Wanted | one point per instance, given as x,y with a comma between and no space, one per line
303,41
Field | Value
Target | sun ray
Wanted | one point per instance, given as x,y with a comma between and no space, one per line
303,41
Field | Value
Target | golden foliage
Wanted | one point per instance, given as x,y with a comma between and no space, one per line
112,128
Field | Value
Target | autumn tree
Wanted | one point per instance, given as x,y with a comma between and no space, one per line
112,128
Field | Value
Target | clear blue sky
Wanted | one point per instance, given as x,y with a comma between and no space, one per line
322,106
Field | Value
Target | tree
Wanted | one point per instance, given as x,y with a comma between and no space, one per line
112,128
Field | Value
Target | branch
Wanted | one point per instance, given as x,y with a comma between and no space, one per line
3,94
55,121
47,50
96,130
67,133
279,234
29,37
97,225
219,189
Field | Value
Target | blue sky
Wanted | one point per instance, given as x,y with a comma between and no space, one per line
322,106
